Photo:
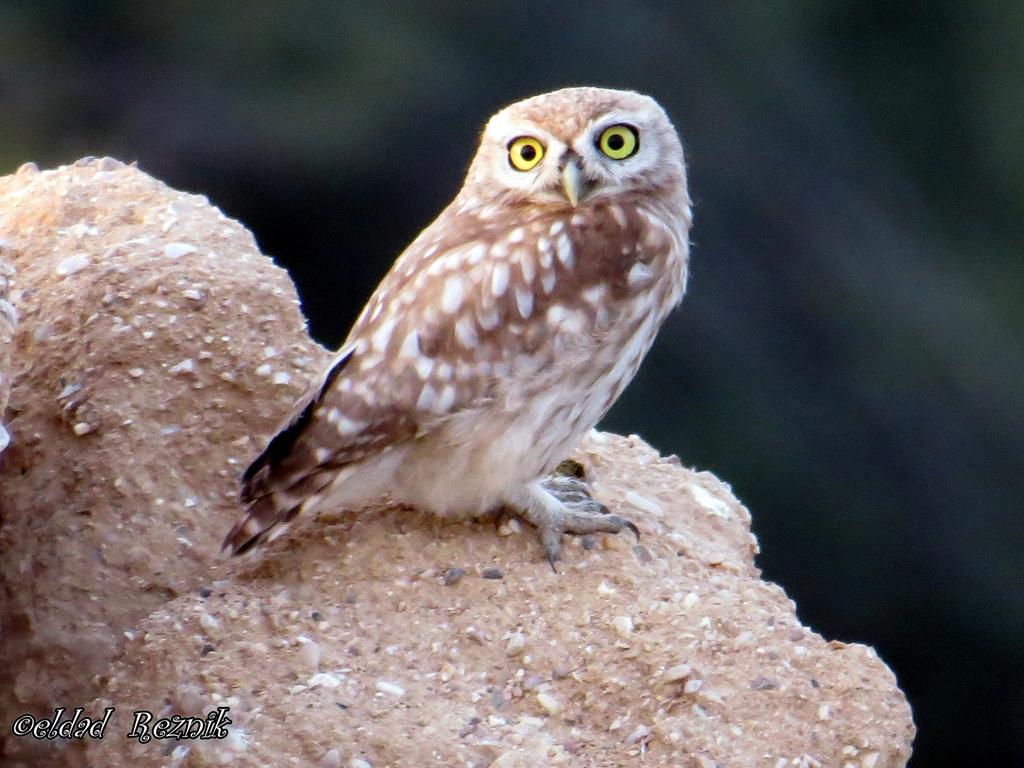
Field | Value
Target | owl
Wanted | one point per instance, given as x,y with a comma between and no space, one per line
502,334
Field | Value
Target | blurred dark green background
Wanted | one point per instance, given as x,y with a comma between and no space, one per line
850,356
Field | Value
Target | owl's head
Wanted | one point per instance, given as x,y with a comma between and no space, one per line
576,145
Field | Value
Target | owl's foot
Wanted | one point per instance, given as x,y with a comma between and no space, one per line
562,504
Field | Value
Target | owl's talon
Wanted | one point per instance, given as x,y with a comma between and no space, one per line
576,523
563,505
574,493
553,555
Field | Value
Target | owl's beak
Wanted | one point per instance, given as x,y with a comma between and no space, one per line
572,181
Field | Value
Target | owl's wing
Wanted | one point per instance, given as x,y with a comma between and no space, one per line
331,426
439,337
257,480
394,379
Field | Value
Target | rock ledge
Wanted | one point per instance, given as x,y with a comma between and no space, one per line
372,638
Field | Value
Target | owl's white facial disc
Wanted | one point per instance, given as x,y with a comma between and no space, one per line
568,125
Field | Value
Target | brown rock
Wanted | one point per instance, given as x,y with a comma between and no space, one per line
682,654
8,321
137,398
352,641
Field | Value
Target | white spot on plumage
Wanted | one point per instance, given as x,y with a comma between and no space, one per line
452,261
574,322
445,400
322,454
476,254
451,297
595,293
578,220
424,365
526,265
547,282
346,426
427,398
565,319
639,274
382,335
489,319
516,235
499,250
499,279
565,254
545,253
333,414
411,346
556,227
556,314
466,333
444,372
524,301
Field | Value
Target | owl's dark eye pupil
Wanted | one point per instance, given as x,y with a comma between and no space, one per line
528,153
616,142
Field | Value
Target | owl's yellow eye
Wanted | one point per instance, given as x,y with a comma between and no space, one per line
524,153
619,141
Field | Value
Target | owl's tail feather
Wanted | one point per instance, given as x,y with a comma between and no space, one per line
268,516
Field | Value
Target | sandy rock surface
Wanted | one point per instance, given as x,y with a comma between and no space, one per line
155,350
371,638
8,321
358,639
